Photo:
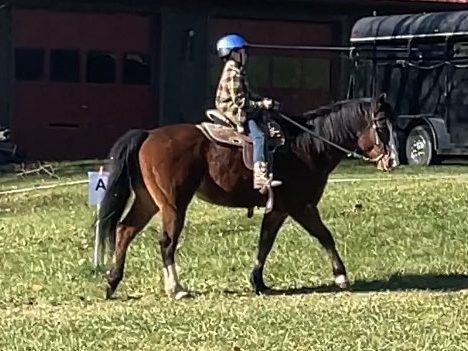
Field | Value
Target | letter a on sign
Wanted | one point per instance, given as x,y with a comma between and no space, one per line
100,185
97,187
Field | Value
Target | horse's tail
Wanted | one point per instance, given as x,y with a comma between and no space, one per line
125,168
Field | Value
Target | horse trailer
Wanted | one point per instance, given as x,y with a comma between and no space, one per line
421,62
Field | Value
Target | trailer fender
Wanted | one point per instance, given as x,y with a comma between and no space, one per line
439,131
437,125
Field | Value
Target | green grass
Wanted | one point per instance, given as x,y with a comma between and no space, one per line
406,251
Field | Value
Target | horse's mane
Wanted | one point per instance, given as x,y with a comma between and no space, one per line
338,122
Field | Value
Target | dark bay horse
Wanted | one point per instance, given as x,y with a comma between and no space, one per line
166,167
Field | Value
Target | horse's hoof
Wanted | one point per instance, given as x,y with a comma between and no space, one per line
178,293
256,281
342,281
182,295
109,291
262,290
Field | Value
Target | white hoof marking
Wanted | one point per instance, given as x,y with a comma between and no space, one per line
341,280
181,294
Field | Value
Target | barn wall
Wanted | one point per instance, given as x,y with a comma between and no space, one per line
5,66
81,80
183,44
183,64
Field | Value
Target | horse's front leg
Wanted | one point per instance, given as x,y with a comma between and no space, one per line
309,219
270,225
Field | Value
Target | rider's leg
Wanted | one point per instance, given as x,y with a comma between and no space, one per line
260,155
260,165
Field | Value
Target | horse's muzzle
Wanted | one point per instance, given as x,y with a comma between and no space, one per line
387,162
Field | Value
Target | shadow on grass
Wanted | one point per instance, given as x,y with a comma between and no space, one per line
397,282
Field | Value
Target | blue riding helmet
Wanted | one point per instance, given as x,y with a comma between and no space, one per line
228,43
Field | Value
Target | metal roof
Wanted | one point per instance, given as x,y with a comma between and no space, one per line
424,25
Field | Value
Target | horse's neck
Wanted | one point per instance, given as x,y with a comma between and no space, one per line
323,156
344,139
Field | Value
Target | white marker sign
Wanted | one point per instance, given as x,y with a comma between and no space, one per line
97,187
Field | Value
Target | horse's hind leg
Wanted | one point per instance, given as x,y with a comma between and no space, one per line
172,189
141,212
309,219
172,225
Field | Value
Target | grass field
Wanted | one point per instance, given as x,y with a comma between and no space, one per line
406,251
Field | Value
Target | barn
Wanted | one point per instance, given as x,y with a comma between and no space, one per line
78,73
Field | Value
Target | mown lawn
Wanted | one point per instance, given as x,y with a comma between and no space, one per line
406,250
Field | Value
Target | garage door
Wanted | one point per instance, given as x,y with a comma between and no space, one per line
300,80
81,80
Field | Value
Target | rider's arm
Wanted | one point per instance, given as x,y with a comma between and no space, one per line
239,95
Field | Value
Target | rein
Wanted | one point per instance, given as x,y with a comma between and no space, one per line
349,153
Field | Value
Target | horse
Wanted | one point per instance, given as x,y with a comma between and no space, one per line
167,166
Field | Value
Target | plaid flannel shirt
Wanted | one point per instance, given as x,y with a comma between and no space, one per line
233,97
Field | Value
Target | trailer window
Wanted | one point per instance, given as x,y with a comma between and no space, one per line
461,50
29,64
64,65
100,67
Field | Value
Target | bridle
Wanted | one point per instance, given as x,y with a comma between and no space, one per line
382,133
376,125
379,124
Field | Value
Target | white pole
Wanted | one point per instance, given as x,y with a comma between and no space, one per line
98,250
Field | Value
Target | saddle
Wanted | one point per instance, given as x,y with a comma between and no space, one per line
222,131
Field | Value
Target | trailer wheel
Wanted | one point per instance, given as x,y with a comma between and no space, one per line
420,147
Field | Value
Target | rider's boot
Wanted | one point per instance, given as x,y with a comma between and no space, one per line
261,178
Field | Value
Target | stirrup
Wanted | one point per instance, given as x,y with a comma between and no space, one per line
270,183
273,183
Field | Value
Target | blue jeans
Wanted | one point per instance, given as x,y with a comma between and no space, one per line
258,139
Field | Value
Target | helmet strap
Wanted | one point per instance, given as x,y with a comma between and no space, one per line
237,56
243,57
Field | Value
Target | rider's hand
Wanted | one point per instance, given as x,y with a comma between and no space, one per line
240,129
274,133
267,103
274,130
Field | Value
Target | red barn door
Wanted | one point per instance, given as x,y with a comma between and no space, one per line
81,80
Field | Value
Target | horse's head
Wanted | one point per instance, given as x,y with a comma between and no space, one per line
377,141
